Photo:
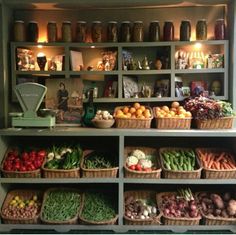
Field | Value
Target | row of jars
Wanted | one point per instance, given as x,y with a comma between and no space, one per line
128,32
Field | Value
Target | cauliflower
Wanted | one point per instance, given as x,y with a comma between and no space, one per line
138,154
131,160
145,163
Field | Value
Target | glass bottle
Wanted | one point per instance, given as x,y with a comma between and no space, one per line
52,31
168,34
81,31
19,31
154,31
138,31
66,31
201,30
185,30
220,29
125,32
112,31
96,31
32,31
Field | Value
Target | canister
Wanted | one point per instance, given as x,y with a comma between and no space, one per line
96,31
125,31
201,30
168,31
66,31
32,31
112,31
138,31
220,29
81,31
52,31
19,31
185,30
154,31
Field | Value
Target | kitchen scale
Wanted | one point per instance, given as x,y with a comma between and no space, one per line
30,96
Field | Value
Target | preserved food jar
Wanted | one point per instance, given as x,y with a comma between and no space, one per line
97,31
112,31
81,31
220,29
201,30
168,34
154,31
185,30
138,31
19,31
32,31
125,31
52,31
66,31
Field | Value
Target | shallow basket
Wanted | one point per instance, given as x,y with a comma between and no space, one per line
155,174
172,122
134,123
70,221
220,123
141,195
171,174
213,173
97,173
84,221
171,220
26,194
103,124
18,174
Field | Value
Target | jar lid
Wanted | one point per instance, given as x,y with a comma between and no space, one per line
96,22
19,21
220,20
155,21
185,20
169,21
138,21
66,22
125,22
112,22
81,21
52,22
202,20
34,22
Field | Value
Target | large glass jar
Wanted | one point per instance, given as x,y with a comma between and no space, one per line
220,29
81,31
125,31
201,30
52,31
96,31
168,34
154,31
138,31
112,31
32,31
185,30
19,31
66,31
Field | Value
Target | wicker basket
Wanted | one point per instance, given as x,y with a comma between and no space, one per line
171,220
171,174
18,174
142,195
70,221
221,123
97,173
84,221
155,174
171,123
26,194
212,173
135,123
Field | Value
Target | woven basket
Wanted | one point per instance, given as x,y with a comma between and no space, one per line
84,221
171,123
155,174
171,174
142,195
171,220
135,123
70,221
18,174
212,173
26,194
221,123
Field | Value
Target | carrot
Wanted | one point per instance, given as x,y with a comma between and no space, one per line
204,163
218,166
214,165
230,156
221,157
231,165
226,166
210,163
222,167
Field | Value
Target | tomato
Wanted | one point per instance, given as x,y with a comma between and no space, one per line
25,156
42,153
132,167
17,165
147,169
138,167
32,154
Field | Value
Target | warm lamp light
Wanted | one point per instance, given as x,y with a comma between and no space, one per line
42,39
198,46
41,60
40,46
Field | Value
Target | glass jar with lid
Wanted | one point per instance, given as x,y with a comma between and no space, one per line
138,31
52,31
66,31
154,31
220,29
168,32
96,32
19,31
201,30
125,31
185,30
112,31
32,31
81,31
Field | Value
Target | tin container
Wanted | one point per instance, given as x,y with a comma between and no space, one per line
112,31
201,30
81,31
19,31
32,31
154,31
125,31
66,31
168,34
96,32
52,31
185,30
138,33
220,29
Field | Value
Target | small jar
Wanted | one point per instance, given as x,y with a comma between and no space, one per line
168,34
66,31
220,29
201,30
138,31
154,31
52,31
125,31
81,31
32,31
19,31
96,31
185,30
112,31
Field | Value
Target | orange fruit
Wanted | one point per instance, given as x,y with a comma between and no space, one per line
142,107
139,112
136,105
158,108
147,113
140,116
181,116
125,109
175,104
188,114
165,108
119,112
172,113
132,110
128,115
133,116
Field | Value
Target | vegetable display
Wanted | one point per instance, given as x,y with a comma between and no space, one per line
179,160
98,207
103,115
61,205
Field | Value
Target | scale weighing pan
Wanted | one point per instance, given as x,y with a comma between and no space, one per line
30,96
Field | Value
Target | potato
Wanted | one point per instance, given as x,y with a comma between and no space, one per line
217,200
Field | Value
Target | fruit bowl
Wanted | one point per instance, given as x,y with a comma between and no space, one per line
103,123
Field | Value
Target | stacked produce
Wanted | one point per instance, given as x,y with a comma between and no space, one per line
103,115
216,205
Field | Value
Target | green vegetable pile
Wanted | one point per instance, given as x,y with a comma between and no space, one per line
226,109
179,160
61,205
98,160
98,207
